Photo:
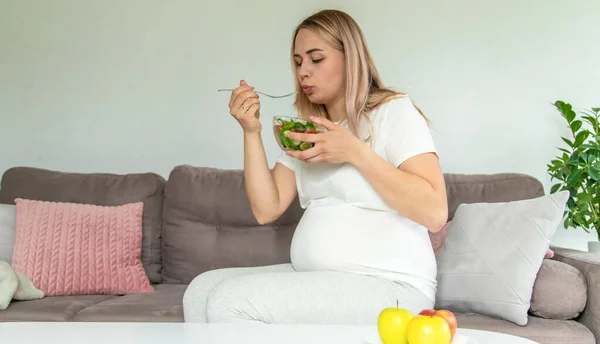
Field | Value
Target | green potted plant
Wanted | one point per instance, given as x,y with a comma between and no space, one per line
578,170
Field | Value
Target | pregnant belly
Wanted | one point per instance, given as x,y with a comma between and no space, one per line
348,238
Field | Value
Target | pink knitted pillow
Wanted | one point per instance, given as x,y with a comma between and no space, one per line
74,249
437,239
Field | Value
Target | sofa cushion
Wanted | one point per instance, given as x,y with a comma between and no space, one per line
165,305
543,331
76,249
489,188
437,239
560,291
492,253
208,224
99,189
52,308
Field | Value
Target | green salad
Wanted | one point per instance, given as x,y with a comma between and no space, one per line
284,126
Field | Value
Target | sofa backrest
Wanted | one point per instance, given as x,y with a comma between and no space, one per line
200,219
489,188
208,223
99,189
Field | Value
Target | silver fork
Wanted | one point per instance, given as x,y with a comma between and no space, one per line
268,95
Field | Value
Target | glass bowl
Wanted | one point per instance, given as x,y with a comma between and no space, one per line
282,125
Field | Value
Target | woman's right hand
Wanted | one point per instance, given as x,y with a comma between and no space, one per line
244,106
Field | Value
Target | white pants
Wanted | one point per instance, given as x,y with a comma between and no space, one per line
277,294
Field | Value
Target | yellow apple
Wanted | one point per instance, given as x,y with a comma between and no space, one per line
425,329
392,324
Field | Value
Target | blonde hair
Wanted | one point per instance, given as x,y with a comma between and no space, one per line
364,89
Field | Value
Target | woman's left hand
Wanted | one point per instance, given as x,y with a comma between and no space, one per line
336,145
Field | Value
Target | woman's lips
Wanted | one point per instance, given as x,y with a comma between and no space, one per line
307,89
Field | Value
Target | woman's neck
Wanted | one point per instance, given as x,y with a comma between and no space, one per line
337,110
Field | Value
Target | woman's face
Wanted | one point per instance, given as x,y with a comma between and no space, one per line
320,68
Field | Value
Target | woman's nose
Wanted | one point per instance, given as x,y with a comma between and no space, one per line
303,71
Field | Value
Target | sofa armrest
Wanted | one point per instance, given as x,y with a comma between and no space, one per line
589,265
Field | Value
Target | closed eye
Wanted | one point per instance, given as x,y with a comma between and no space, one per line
313,61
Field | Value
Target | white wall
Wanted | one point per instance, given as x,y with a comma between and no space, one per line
485,72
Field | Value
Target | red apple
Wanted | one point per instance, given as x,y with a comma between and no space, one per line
428,312
444,314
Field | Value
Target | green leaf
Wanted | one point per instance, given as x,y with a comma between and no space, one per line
573,160
579,219
566,110
569,142
586,197
593,146
572,193
575,178
587,213
560,106
581,137
596,110
570,115
555,188
299,126
571,202
590,119
594,173
565,150
576,125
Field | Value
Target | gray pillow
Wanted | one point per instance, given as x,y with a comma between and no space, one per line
560,291
7,231
492,253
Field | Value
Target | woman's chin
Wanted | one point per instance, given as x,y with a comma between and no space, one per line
315,99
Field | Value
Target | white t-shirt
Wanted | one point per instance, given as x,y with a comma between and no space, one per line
348,226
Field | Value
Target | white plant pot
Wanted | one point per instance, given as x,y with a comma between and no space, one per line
594,246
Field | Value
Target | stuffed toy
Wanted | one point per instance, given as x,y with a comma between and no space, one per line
15,286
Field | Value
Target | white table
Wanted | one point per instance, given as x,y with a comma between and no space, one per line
182,333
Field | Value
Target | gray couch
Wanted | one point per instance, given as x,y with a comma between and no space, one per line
199,219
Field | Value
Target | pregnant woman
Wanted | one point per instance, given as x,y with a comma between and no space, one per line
371,188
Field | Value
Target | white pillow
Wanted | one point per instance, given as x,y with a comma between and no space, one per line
492,253
7,231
